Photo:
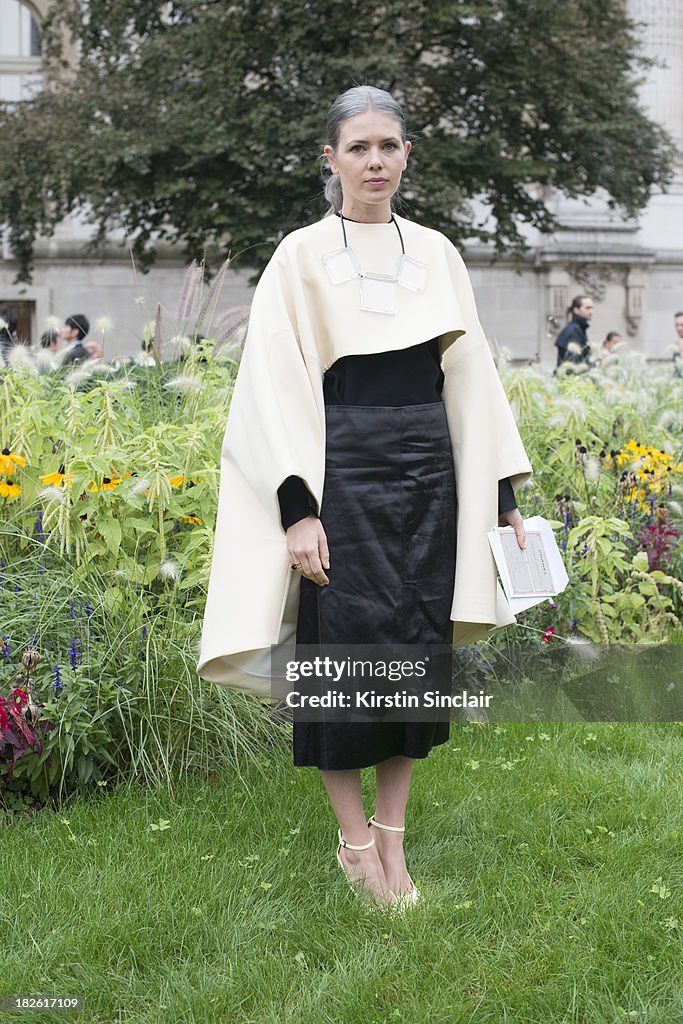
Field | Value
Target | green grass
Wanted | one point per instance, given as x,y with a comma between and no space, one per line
535,847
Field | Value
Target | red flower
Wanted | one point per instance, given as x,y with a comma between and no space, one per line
548,634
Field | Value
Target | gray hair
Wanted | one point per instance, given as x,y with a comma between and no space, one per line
350,103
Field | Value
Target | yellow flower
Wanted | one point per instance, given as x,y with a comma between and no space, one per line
108,484
56,478
9,490
176,481
190,519
8,460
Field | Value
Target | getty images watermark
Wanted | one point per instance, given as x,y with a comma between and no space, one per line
363,682
566,681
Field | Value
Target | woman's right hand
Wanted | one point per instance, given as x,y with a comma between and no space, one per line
307,544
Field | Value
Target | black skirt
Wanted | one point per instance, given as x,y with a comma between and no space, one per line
389,511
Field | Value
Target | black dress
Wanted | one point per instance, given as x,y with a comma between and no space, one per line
389,510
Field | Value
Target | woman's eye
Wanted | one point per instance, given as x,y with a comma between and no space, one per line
390,145
356,148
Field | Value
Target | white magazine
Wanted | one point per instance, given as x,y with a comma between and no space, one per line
531,574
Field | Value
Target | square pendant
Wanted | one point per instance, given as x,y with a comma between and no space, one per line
378,293
342,265
411,273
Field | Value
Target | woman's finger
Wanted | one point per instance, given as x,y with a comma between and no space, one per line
323,549
521,533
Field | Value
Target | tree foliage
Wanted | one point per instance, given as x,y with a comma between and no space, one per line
203,120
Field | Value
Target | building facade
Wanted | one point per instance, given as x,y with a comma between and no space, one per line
632,269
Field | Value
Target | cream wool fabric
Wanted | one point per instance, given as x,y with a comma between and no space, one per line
300,324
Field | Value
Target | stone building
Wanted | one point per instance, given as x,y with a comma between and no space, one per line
632,269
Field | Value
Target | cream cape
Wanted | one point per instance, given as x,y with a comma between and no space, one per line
300,324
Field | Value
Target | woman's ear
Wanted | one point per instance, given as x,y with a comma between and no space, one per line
408,146
329,154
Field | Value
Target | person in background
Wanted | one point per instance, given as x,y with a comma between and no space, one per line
572,341
678,352
73,336
611,341
8,334
50,340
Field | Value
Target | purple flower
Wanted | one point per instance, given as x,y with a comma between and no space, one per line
6,649
39,526
72,609
574,624
74,653
144,632
660,541
57,685
88,608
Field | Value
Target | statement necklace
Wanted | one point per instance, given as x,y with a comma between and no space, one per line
377,291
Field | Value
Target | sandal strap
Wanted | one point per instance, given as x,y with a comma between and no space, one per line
389,828
350,846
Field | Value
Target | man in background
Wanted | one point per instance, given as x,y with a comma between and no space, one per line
73,334
572,341
678,351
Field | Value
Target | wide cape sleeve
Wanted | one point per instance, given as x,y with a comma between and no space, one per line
487,447
299,326
275,429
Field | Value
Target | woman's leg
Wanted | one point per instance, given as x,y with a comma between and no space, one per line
392,788
362,866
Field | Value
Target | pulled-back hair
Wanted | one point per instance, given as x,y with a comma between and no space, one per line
577,301
356,100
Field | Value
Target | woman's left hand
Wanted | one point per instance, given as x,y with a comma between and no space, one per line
514,518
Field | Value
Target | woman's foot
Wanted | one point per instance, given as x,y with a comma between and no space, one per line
365,873
389,846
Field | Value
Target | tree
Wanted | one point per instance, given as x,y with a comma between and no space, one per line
203,120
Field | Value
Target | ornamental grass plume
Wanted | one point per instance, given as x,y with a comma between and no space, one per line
20,359
192,282
184,383
103,325
170,570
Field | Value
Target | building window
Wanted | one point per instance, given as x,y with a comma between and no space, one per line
20,72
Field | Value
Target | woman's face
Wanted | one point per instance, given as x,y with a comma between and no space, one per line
370,159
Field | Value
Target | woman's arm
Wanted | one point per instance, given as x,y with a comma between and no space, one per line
506,496
297,502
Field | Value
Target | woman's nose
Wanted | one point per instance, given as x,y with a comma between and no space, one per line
375,158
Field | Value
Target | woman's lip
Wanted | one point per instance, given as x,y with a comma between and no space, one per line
377,181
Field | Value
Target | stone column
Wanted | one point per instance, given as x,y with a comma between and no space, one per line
661,33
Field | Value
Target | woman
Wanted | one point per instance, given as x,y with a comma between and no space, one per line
366,398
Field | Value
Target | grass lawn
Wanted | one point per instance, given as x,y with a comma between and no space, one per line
550,861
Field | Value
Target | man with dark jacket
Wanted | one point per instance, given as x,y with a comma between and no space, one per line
572,341
74,332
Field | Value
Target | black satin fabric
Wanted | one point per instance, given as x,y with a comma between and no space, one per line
389,511
408,376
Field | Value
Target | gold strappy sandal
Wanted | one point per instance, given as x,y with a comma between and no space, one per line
406,899
366,846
